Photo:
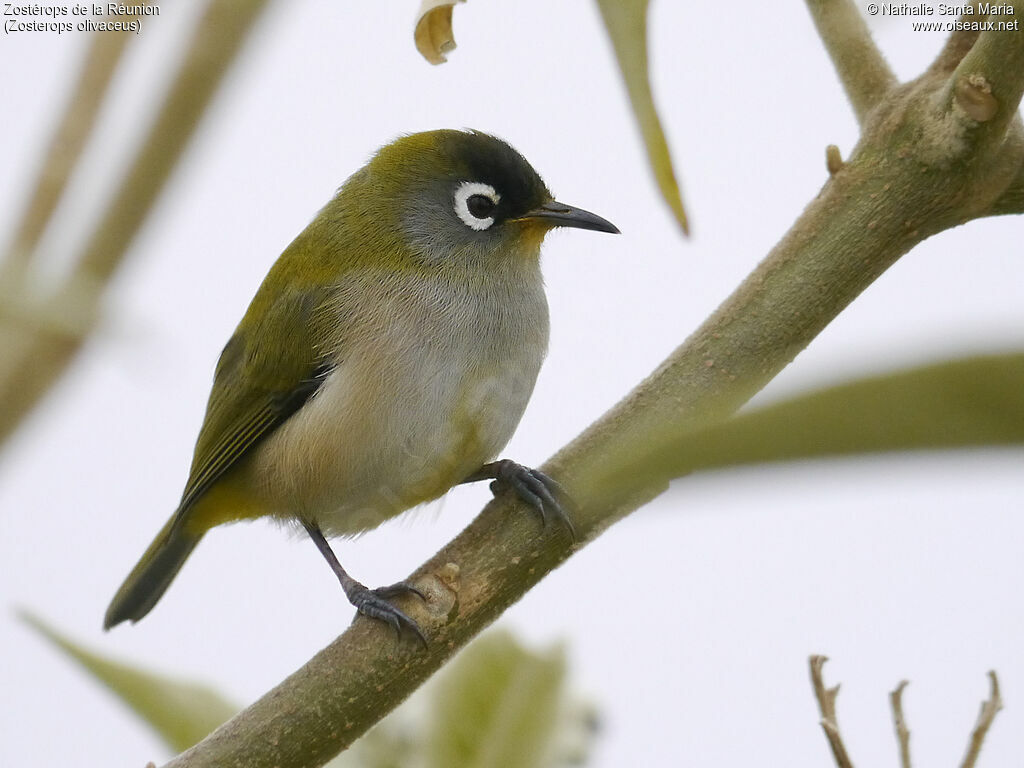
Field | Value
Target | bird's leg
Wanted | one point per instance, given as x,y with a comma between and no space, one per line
531,485
374,603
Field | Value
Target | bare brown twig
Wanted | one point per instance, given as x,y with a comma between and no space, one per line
900,724
989,710
826,698
827,705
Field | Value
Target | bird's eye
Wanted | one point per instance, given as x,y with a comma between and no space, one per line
475,203
480,206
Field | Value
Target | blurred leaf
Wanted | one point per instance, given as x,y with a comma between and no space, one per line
626,21
497,706
433,33
35,358
976,401
182,713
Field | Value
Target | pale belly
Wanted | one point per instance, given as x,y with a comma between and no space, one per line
397,424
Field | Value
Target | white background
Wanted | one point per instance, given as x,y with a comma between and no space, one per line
689,624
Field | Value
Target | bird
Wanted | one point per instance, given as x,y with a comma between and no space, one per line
387,356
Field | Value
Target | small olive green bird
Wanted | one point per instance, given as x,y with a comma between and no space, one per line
388,356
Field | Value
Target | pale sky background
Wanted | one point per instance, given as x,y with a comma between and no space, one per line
688,624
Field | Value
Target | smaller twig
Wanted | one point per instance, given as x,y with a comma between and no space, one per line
862,69
988,712
957,44
902,733
995,65
827,705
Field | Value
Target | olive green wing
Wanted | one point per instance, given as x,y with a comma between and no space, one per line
267,371
269,368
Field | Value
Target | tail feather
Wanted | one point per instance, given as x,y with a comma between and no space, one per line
152,575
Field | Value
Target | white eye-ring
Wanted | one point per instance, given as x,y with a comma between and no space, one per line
475,203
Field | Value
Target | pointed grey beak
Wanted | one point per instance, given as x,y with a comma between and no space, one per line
557,214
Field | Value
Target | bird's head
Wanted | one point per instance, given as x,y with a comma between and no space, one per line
467,197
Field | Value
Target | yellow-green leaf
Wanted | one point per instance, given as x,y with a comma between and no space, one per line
497,705
626,21
971,402
433,32
182,713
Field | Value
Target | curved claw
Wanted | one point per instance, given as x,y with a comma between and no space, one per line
536,489
398,589
375,603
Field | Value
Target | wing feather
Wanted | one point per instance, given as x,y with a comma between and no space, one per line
232,446
263,377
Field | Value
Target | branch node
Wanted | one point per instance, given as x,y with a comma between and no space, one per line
973,94
448,574
833,160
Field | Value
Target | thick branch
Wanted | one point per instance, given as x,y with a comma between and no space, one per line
862,69
1012,199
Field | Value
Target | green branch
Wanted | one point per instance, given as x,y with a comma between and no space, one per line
991,74
862,69
1012,199
958,43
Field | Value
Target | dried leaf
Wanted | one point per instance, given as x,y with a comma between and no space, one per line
433,34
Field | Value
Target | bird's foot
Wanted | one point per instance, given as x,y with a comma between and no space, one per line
376,603
532,486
